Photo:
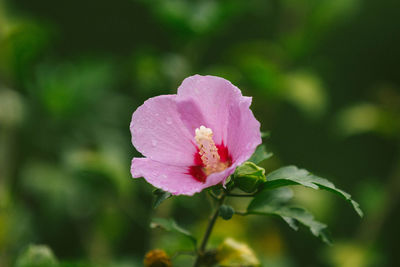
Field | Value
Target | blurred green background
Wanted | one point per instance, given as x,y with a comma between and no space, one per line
324,76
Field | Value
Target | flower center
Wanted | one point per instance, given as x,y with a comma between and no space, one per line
208,151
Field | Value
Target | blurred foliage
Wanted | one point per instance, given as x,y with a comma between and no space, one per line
324,80
37,256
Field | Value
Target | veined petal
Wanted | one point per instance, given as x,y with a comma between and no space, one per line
190,114
159,133
213,96
170,178
243,131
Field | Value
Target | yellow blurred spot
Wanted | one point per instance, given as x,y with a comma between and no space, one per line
349,255
272,244
11,107
233,253
306,92
358,119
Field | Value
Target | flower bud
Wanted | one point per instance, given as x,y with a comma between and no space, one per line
226,212
157,258
248,177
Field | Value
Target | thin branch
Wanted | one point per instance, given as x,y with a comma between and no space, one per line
213,195
240,195
210,226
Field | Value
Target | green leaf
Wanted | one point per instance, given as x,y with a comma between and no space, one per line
160,197
291,175
226,212
248,177
275,198
171,226
260,154
265,134
275,202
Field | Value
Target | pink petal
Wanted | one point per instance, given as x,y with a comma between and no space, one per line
243,131
159,133
174,179
213,96
170,178
190,114
220,177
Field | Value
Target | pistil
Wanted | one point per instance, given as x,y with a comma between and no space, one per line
208,151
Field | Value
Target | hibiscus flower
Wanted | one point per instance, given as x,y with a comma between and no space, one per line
196,138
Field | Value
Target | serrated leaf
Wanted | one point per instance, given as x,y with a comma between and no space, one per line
274,198
260,154
292,215
171,226
293,223
291,175
160,197
276,203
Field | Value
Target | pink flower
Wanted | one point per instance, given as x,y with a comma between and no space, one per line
196,138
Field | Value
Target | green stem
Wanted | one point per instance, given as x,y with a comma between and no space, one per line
240,195
209,229
241,213
214,196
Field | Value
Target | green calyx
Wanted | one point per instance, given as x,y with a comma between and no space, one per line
248,177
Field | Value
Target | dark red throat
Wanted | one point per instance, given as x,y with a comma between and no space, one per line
197,170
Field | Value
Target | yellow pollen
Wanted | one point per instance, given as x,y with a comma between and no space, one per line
208,151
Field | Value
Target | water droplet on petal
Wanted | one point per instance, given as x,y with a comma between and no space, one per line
169,121
154,142
164,176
